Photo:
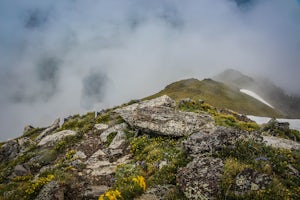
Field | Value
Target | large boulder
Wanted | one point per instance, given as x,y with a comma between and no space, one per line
201,142
159,116
201,178
50,140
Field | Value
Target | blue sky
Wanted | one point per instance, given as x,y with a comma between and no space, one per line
62,57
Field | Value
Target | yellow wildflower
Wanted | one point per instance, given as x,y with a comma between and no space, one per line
140,181
111,195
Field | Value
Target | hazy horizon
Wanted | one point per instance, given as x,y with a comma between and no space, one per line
63,57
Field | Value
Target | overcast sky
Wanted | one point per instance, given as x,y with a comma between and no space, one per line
62,57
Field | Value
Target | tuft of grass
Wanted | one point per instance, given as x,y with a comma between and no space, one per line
104,118
110,138
82,124
152,152
68,141
33,133
221,119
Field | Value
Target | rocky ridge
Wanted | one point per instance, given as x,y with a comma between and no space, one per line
153,149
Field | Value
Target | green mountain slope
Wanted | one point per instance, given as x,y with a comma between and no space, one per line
288,105
217,94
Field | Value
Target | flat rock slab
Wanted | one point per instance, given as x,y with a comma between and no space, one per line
202,142
50,140
160,117
280,142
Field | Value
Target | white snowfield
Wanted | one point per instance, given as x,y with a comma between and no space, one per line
294,123
256,96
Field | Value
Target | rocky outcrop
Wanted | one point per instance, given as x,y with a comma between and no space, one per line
27,128
9,150
49,130
280,142
25,144
50,140
159,116
201,178
199,143
50,191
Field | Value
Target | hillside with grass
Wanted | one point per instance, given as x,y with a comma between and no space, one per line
217,94
153,149
286,103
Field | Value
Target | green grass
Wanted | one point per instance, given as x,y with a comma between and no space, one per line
217,94
82,124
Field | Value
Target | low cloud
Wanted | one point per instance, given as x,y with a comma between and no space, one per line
69,56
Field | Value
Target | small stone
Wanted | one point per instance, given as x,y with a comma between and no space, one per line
101,127
20,170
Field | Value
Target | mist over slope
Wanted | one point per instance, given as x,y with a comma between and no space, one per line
287,104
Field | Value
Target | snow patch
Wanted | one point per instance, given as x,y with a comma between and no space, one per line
294,123
256,96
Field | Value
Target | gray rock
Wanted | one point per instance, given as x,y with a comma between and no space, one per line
99,165
50,140
80,154
164,101
159,116
49,130
100,127
94,191
9,150
250,180
118,141
116,128
27,128
25,144
50,192
159,192
281,142
201,178
183,101
199,143
20,170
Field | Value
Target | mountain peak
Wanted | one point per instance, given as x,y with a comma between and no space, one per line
232,76
217,94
